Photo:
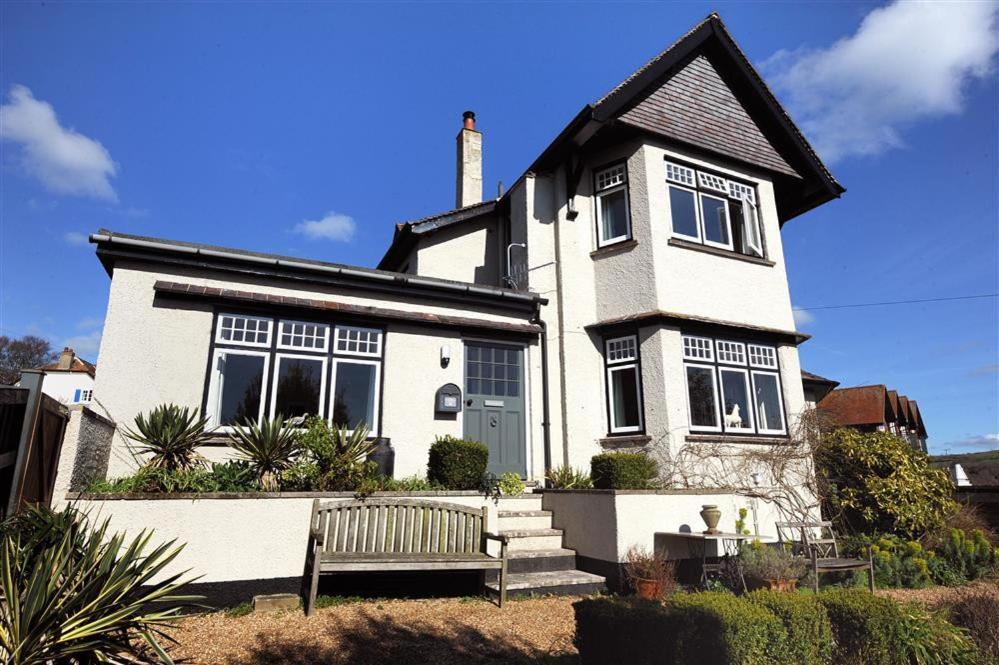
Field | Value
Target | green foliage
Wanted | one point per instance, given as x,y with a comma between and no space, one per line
866,627
970,555
714,627
75,595
408,484
567,478
740,524
510,484
927,638
877,483
762,562
623,471
270,448
170,436
810,640
623,630
233,476
978,613
456,464
338,455
241,610
902,563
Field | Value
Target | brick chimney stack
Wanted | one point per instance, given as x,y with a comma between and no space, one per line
469,180
66,358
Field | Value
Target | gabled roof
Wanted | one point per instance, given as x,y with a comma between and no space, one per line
406,233
711,40
862,405
78,365
918,418
820,385
903,411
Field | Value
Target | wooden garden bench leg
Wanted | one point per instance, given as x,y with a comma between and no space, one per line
870,563
815,571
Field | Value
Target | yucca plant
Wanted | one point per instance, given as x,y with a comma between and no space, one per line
270,448
170,436
72,595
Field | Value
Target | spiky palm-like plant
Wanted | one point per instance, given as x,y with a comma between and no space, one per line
270,448
170,436
74,595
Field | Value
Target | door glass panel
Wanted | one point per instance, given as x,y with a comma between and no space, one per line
354,400
242,384
298,387
495,374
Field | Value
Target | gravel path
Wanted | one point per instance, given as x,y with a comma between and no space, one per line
401,632
940,595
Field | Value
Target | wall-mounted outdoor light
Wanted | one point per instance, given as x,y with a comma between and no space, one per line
445,355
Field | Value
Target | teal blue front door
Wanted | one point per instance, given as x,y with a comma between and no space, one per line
494,404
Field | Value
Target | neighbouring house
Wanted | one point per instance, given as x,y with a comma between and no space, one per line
629,291
976,481
816,388
875,408
70,379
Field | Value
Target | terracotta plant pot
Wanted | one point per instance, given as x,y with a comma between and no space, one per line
649,589
782,585
711,515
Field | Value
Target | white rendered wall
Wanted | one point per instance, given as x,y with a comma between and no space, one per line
62,386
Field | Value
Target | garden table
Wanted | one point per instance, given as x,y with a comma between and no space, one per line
726,545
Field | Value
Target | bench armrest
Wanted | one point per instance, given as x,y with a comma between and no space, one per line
497,536
317,536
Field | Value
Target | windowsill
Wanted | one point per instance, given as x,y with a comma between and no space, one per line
616,441
616,248
727,253
744,438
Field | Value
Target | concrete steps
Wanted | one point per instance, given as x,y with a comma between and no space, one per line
510,520
552,582
533,539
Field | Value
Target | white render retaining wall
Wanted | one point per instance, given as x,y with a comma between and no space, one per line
249,542
602,525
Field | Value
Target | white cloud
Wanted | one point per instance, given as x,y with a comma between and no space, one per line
802,318
85,345
333,226
908,61
64,160
75,238
973,443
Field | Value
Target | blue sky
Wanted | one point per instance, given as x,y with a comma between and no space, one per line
241,124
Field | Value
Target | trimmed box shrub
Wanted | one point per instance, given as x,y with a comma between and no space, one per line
810,637
623,471
718,627
622,630
867,628
456,464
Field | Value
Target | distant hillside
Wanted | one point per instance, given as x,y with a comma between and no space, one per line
966,458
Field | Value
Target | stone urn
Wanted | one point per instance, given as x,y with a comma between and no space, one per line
711,515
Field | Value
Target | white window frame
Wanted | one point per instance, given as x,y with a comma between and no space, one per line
709,347
291,347
614,428
688,176
712,369
697,213
376,415
780,401
713,182
259,345
740,348
728,221
624,338
359,354
323,380
612,189
86,395
751,227
750,397
765,348
217,381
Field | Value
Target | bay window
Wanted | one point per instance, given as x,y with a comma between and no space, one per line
733,387
712,210
613,214
276,367
624,384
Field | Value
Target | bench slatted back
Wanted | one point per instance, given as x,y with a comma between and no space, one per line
805,536
399,526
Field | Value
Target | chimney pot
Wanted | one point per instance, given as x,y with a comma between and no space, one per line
469,119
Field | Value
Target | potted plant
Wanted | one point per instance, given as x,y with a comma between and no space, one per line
772,568
650,574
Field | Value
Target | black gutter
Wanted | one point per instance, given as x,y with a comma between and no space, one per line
545,406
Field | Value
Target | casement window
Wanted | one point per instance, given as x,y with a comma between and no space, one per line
733,387
613,212
712,210
81,395
624,384
293,369
236,393
243,330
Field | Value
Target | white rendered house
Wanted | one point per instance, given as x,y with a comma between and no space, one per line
628,289
70,379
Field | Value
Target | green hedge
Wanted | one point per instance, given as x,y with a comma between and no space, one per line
456,464
845,627
810,637
623,471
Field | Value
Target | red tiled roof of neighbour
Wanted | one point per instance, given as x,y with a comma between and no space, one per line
78,365
893,402
919,417
862,405
903,411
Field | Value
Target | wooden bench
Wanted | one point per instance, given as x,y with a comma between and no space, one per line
817,541
400,535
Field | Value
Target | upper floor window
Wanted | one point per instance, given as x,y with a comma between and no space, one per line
730,388
712,210
624,384
613,214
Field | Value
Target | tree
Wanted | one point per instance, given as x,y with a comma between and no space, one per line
27,352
